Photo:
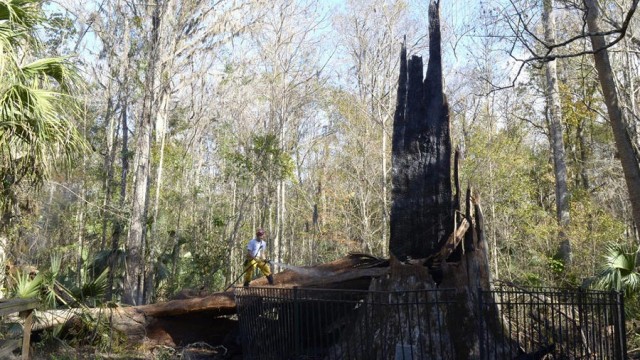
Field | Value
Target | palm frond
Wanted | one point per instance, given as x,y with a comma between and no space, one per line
162,272
632,282
21,12
56,68
6,40
619,270
621,257
101,259
19,19
25,286
34,130
37,106
94,289
56,263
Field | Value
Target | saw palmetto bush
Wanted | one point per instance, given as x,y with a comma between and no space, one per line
49,286
620,270
37,104
26,286
85,327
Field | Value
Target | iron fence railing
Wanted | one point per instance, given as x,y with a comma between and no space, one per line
304,323
576,324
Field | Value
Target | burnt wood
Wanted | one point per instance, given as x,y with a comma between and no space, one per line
422,210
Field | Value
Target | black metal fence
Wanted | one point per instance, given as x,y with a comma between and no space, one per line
303,323
573,324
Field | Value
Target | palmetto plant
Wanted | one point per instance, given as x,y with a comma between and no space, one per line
620,270
52,292
36,100
25,286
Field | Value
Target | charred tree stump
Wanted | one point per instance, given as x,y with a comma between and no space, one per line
424,215
433,243
422,209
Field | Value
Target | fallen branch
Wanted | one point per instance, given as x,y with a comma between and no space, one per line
554,307
451,244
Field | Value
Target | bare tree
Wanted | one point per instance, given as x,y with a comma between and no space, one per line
111,25
524,35
629,156
176,31
291,71
372,32
554,113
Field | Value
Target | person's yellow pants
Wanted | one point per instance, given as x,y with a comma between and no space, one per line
250,266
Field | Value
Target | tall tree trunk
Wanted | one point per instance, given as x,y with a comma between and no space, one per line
421,213
385,190
629,158
134,259
432,242
557,142
118,226
582,147
108,167
278,249
81,215
134,275
152,244
154,224
632,108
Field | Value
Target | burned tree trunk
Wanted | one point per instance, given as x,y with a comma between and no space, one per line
434,244
421,214
425,219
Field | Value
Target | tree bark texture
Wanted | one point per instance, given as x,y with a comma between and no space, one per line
134,276
449,324
433,244
629,158
554,113
422,198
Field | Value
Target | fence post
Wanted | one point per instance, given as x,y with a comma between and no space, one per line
26,337
620,327
296,322
583,319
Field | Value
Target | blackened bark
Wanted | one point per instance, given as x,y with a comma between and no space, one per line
421,214
433,244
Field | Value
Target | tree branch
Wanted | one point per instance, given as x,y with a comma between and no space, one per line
542,58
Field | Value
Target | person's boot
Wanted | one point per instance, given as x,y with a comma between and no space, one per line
270,279
246,284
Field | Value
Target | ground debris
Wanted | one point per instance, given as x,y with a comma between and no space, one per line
203,351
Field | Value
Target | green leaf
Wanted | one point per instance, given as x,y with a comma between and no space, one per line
26,287
95,288
619,270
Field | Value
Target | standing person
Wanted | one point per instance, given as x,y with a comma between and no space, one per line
256,250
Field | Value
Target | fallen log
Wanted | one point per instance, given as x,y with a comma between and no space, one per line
209,318
178,322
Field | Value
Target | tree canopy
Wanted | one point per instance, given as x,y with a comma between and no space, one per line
185,125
